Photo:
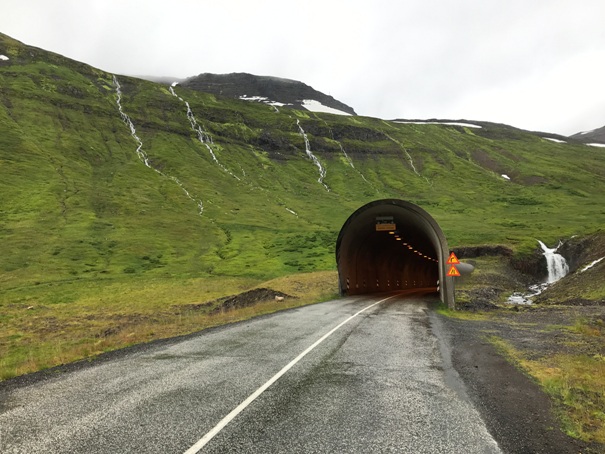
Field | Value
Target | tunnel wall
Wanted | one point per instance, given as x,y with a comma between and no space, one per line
369,261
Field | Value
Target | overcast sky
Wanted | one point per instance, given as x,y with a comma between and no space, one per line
534,64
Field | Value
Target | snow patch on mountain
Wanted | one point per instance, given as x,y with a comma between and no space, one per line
449,123
4,58
602,145
310,104
263,99
316,106
554,140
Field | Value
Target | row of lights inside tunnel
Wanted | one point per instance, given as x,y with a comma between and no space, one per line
410,247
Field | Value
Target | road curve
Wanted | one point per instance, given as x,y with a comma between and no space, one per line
381,382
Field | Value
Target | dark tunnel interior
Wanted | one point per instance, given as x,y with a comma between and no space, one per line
388,245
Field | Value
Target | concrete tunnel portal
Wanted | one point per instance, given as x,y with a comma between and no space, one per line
390,244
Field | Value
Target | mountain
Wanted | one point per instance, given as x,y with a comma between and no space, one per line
124,200
86,195
594,136
271,90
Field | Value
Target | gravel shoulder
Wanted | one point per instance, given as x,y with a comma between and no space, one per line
520,416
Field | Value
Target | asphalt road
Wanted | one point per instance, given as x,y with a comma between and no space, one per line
381,382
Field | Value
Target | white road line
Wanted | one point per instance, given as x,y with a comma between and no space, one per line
237,410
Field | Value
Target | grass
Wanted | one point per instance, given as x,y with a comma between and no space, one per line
462,315
575,382
77,322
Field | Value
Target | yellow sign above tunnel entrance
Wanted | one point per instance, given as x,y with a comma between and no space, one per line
385,227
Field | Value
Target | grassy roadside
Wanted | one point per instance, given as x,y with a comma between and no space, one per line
576,383
46,326
561,349
558,341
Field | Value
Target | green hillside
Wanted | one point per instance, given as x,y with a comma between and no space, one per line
87,229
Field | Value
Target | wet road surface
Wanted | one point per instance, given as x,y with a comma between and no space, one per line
381,382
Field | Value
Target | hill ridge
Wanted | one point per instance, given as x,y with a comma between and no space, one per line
595,135
280,90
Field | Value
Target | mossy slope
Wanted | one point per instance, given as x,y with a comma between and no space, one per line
80,209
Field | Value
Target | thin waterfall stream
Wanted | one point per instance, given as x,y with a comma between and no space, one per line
204,138
141,153
322,170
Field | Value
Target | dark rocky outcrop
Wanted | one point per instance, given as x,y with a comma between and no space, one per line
480,251
245,299
596,136
287,91
579,251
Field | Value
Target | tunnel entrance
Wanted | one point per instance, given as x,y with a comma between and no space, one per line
391,245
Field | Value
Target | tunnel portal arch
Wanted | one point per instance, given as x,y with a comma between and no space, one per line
392,244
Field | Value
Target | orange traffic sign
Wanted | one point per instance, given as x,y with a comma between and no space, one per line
453,260
453,272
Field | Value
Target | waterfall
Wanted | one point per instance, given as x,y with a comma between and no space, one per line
202,135
126,119
141,153
557,266
350,161
322,170
409,157
347,157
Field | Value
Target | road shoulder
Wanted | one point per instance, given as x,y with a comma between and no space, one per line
518,414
